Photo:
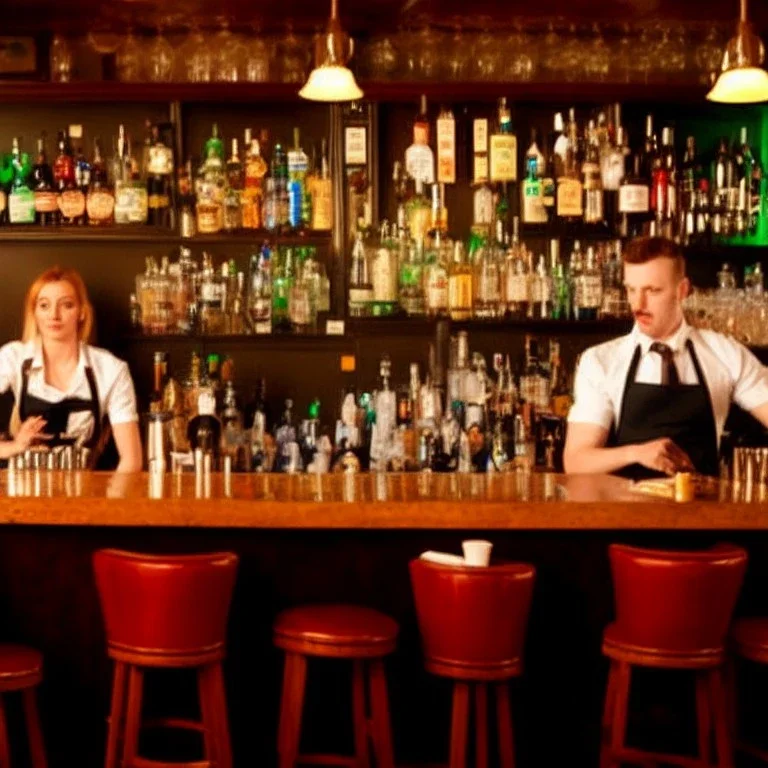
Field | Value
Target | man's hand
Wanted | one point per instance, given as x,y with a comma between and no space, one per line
663,455
28,431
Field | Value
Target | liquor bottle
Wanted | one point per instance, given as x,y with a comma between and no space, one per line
159,174
46,204
283,277
210,186
634,200
503,147
279,172
590,289
322,193
516,284
649,157
360,286
385,406
446,147
725,190
136,185
82,167
436,277
302,303
21,201
384,274
299,201
438,212
487,280
419,158
71,200
749,176
411,275
418,211
460,288
612,169
100,202
236,322
594,212
257,416
253,191
204,430
541,291
561,284
690,177
534,207
559,392
210,312
570,203
287,457
667,162
260,291
232,435
233,217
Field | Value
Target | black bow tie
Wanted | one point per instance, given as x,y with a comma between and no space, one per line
668,369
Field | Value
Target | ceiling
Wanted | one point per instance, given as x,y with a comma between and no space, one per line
361,16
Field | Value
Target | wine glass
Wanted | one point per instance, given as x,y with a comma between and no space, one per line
294,55
520,64
160,59
486,62
230,56
61,59
196,57
428,60
258,56
458,59
382,58
709,55
598,60
129,59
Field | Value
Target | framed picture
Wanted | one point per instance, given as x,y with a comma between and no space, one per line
18,57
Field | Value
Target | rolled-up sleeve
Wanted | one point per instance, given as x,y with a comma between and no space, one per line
592,403
750,387
10,364
121,403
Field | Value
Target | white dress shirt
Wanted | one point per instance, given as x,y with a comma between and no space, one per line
117,398
732,373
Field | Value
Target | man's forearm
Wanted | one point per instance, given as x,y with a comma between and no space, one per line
597,460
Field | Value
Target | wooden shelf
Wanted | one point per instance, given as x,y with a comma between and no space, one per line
106,91
146,234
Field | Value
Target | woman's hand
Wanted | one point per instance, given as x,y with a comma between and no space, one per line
28,431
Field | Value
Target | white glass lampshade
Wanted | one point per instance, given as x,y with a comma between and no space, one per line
742,85
331,82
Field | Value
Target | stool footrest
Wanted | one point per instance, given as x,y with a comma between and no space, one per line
642,757
144,762
313,759
174,722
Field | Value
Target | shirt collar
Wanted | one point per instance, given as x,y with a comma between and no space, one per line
35,351
676,342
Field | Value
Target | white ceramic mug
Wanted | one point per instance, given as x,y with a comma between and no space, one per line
477,552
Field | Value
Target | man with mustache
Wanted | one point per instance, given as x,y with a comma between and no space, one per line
655,401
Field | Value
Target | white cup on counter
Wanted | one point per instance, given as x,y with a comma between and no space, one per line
477,552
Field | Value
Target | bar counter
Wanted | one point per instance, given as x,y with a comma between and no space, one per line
508,501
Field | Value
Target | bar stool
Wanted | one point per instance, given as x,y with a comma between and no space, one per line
473,623
165,612
672,612
21,669
749,640
362,635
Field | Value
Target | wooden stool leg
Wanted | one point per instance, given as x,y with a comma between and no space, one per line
5,755
293,704
359,715
133,715
720,717
381,726
459,725
481,725
704,717
608,708
506,731
620,711
116,713
731,697
207,697
221,718
34,732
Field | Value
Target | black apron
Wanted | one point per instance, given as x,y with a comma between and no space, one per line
681,412
57,414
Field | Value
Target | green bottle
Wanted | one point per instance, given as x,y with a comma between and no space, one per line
21,202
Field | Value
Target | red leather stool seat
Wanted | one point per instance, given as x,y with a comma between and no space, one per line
347,631
473,623
749,638
20,667
672,611
362,635
165,612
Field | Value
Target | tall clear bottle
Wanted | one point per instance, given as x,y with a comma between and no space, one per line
360,284
460,285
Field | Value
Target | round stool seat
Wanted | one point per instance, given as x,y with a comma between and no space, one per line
340,631
749,638
20,667
617,646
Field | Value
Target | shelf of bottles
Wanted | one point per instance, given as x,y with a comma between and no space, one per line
458,417
140,195
581,188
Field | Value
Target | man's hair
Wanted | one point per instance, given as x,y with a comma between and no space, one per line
644,249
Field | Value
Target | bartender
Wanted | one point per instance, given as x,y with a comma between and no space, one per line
67,392
655,401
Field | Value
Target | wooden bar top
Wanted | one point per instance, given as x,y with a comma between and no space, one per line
512,501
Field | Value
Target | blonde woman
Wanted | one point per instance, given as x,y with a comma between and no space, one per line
64,388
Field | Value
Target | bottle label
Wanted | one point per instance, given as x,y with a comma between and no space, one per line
446,150
72,203
131,203
634,198
480,169
322,204
158,201
100,206
46,202
534,211
591,291
480,136
160,161
436,292
4,201
548,192
483,206
251,207
359,296
420,163
569,197
517,288
355,146
209,218
460,293
384,274
300,309
21,206
593,210
503,157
